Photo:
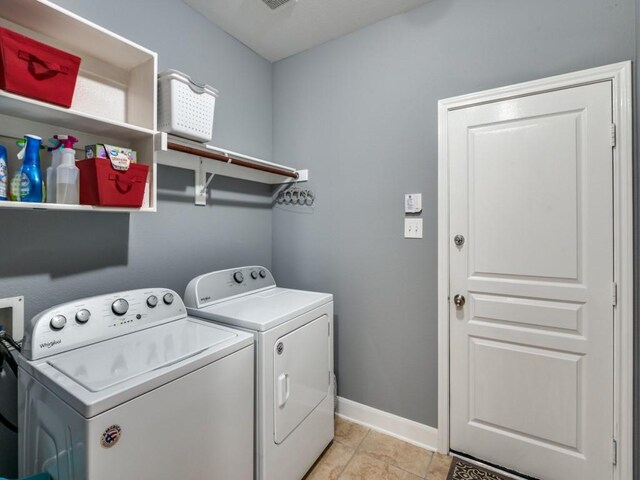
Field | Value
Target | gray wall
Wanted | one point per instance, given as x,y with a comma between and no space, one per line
361,112
52,257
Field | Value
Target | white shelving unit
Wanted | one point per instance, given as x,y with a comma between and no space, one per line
206,161
114,101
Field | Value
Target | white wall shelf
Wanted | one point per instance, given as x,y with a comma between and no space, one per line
29,109
206,161
114,101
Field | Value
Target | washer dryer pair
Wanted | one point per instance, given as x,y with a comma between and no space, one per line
293,331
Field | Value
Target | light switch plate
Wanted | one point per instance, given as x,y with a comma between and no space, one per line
412,228
412,202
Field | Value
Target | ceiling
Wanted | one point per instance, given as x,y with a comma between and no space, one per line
298,24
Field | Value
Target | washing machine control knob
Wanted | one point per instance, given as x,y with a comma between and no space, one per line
83,316
168,298
238,277
58,322
152,301
254,274
120,306
263,273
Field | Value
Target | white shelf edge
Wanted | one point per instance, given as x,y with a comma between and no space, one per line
11,205
205,166
97,27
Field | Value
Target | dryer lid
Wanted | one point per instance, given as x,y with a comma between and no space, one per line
263,310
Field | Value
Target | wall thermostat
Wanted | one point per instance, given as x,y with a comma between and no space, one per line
413,203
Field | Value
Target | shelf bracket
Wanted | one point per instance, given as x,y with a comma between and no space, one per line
201,183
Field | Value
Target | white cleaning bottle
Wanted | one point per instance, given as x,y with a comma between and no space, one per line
68,179
59,142
56,155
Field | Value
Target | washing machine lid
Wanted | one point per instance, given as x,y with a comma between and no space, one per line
108,363
264,309
98,377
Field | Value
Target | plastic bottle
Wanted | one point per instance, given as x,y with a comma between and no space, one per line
51,171
59,142
3,173
31,185
68,179
14,185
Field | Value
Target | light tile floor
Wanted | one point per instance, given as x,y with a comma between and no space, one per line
358,453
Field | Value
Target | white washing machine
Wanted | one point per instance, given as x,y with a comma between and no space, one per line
127,386
294,362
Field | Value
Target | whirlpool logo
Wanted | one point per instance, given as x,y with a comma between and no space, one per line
50,344
110,436
204,299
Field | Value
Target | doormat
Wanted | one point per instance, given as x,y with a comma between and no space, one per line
461,470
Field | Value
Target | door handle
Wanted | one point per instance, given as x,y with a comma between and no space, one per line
284,387
459,300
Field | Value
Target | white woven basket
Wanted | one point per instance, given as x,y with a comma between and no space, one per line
185,108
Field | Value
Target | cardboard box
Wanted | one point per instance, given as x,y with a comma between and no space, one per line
110,151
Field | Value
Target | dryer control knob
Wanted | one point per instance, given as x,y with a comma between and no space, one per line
168,298
254,275
152,301
120,306
58,322
263,273
83,316
238,277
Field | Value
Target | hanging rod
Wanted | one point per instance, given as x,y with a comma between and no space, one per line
231,160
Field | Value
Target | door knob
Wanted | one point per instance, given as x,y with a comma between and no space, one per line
459,300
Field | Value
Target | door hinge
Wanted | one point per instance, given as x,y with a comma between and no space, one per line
614,452
328,329
614,294
613,134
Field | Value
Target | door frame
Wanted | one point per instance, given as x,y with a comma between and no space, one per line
620,75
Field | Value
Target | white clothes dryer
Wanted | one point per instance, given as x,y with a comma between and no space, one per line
127,386
294,362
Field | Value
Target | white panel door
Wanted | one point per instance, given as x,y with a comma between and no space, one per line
531,365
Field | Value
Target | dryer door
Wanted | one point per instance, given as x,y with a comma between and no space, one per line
301,375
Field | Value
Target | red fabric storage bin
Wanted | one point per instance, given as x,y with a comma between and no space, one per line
102,185
36,70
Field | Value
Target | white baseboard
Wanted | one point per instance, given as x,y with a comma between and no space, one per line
413,432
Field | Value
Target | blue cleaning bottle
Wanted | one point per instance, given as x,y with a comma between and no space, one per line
31,187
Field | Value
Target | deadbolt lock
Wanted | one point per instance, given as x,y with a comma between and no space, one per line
458,240
459,300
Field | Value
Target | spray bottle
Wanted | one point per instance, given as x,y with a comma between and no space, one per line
67,174
59,142
31,185
3,173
